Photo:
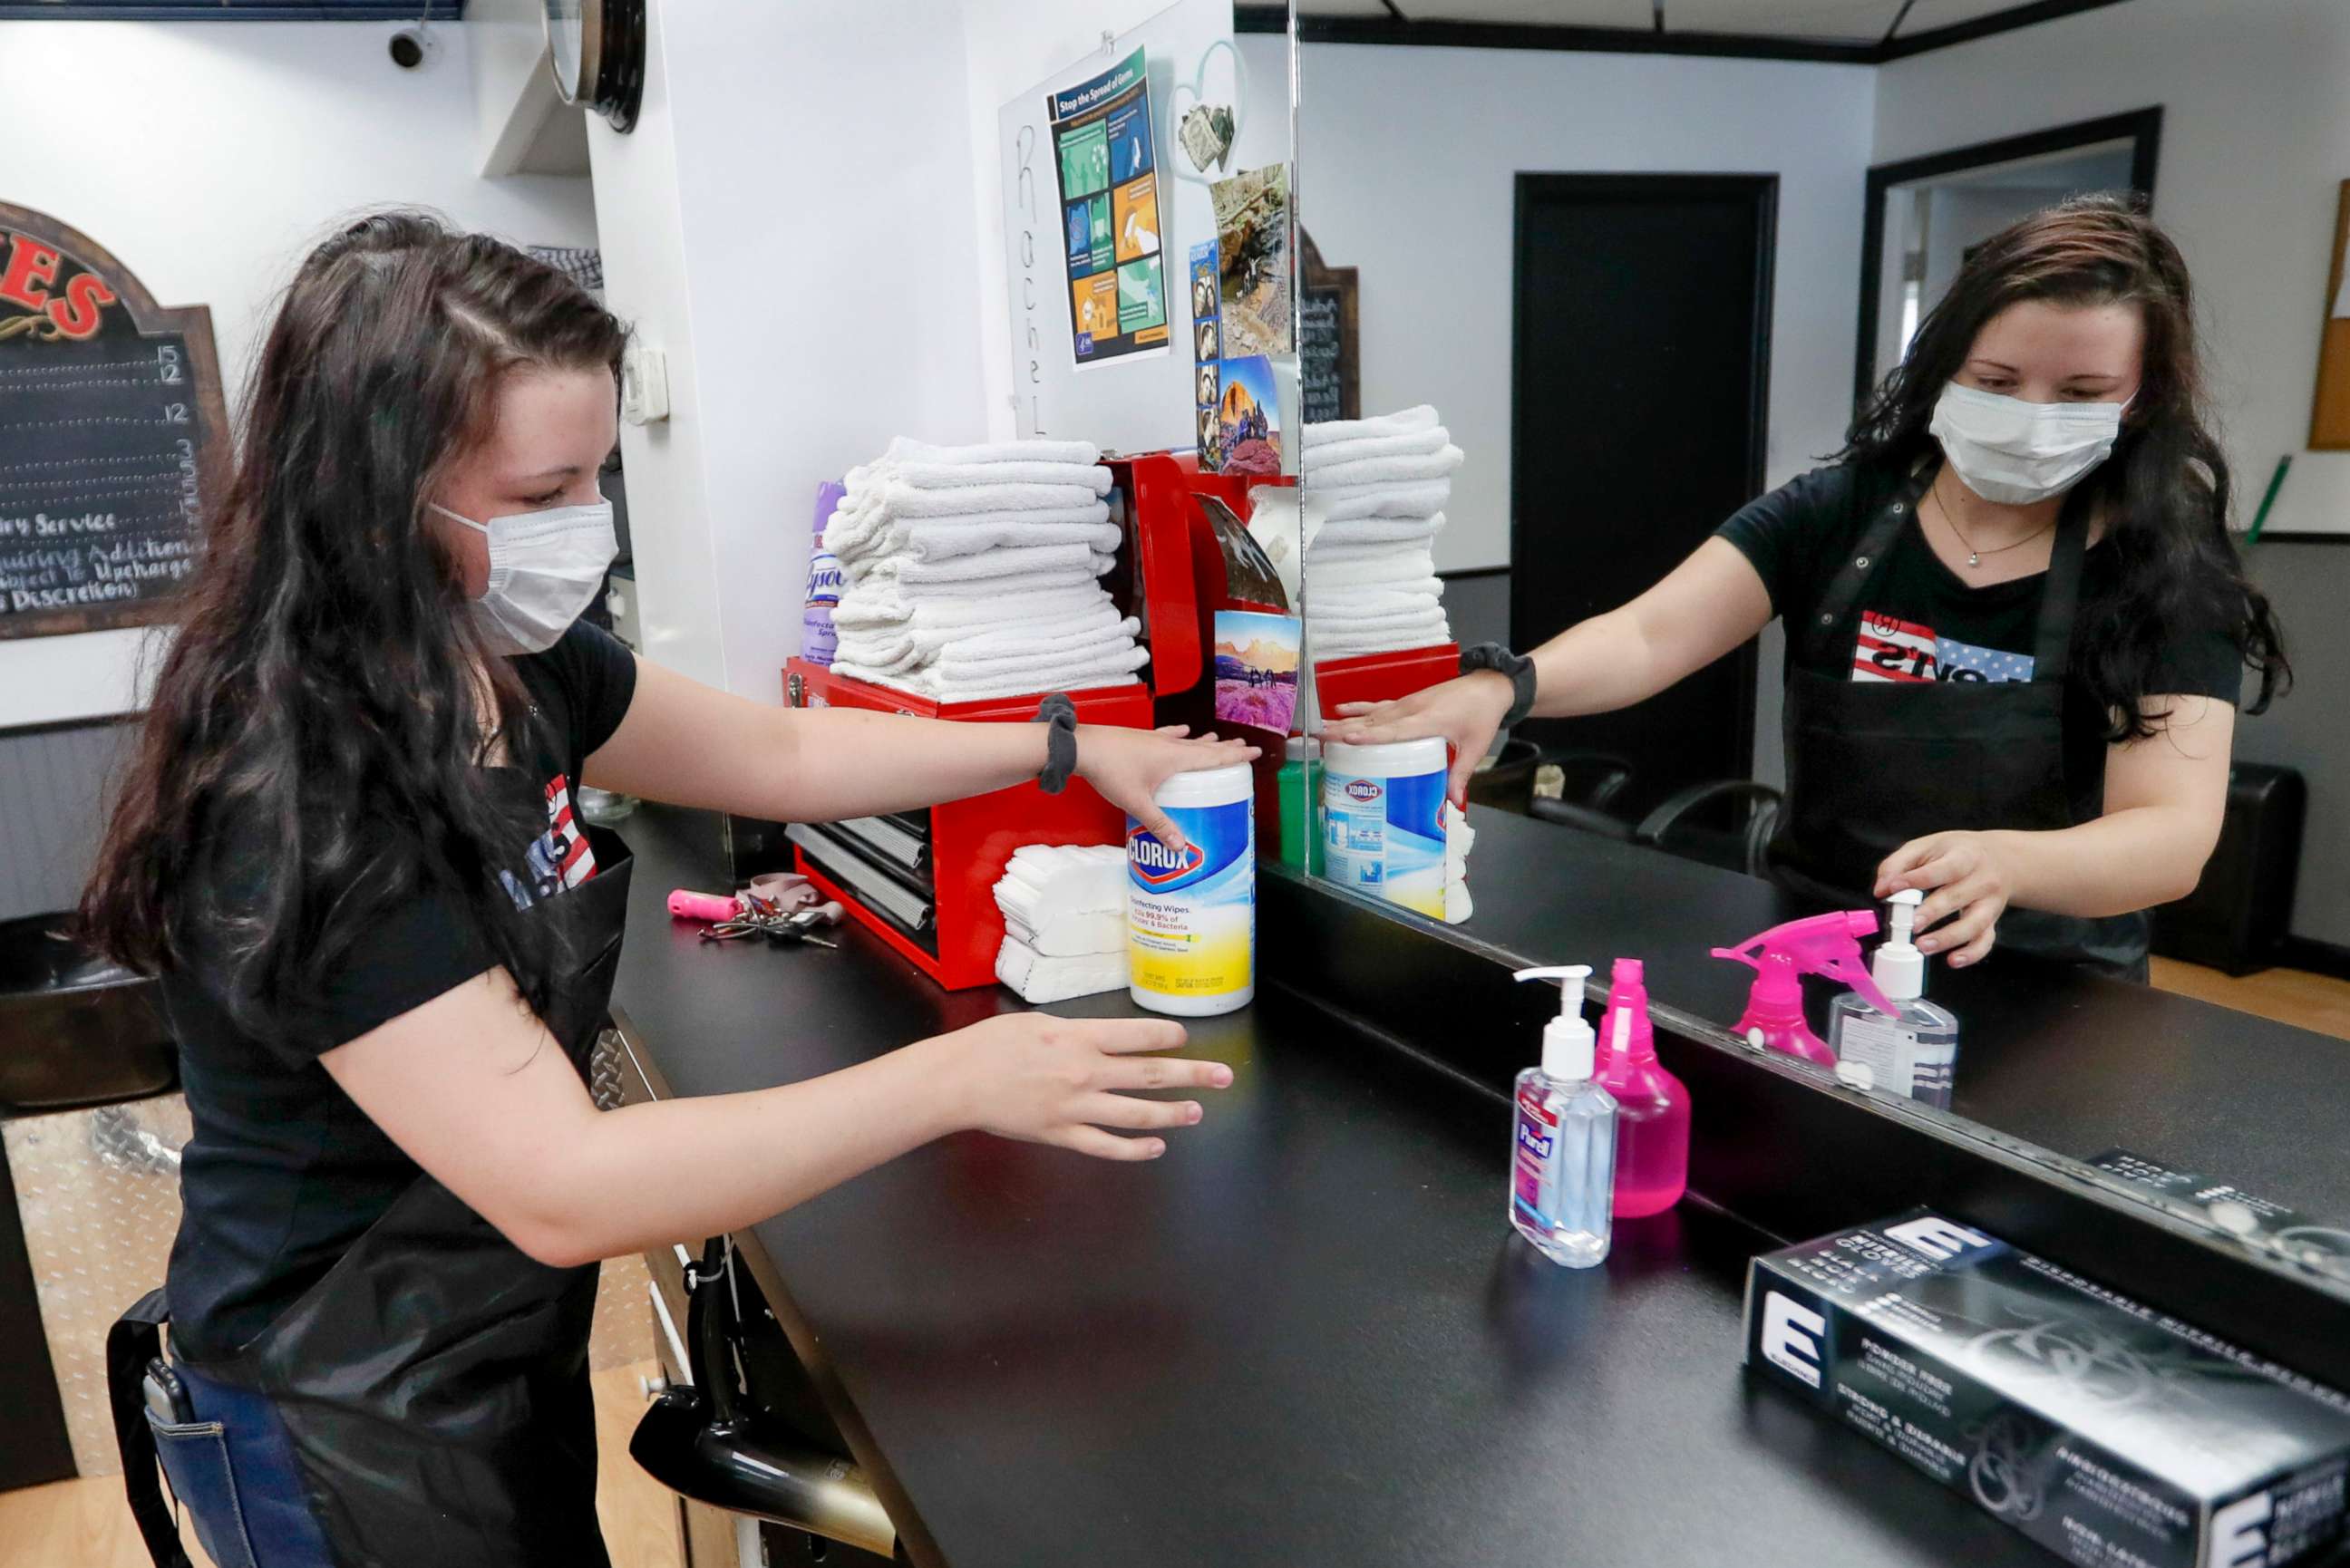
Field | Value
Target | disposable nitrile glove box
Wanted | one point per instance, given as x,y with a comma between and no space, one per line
2110,1433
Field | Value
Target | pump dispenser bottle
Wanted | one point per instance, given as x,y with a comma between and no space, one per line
1563,1154
1916,1051
1652,1106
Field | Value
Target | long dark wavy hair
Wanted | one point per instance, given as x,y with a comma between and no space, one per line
320,707
2164,492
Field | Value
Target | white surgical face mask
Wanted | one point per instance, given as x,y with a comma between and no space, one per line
2015,452
544,568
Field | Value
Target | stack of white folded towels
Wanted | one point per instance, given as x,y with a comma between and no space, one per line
1064,920
971,572
1378,487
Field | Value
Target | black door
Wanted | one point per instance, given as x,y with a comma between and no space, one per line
1642,364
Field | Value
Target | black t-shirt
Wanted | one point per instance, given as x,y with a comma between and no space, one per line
1919,622
284,1171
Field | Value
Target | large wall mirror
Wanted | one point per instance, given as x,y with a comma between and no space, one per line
1619,268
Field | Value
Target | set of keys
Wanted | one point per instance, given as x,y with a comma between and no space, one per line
760,916
782,906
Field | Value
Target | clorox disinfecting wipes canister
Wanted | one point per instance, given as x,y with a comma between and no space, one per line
1190,917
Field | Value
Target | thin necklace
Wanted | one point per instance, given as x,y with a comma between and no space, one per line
1974,556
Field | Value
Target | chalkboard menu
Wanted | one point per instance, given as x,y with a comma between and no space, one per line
1317,335
1327,367
111,420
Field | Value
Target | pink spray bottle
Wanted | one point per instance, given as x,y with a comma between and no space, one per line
1652,1106
1824,944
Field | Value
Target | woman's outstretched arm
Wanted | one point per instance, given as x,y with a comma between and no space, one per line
695,745
1704,608
474,1089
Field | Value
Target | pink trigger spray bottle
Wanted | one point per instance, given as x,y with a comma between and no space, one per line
1824,944
1652,1106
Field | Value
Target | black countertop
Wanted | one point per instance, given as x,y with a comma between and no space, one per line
1306,1335
2073,1063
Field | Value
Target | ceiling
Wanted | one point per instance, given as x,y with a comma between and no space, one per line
232,10
1835,29
1849,27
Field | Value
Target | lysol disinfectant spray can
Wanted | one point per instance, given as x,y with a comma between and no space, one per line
818,639
1191,918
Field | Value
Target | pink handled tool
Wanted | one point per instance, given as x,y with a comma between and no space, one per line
691,906
1824,944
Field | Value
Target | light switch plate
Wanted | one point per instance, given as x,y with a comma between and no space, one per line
644,383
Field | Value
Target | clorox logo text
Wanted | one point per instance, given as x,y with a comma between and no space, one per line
1154,865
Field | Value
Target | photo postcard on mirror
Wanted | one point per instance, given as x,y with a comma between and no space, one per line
1253,251
1249,416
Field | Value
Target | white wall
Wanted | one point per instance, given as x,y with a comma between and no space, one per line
1143,402
2255,144
505,46
823,276
802,244
522,126
217,152
1409,159
641,232
1011,45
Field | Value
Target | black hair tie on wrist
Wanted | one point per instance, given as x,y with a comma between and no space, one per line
1517,665
1060,716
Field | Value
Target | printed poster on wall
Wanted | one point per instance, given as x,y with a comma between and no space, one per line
1103,153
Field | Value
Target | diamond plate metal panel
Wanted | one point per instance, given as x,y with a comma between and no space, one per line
98,1191
604,1069
623,1334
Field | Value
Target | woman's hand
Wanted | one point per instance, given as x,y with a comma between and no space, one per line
1127,767
1042,1079
1967,879
1467,713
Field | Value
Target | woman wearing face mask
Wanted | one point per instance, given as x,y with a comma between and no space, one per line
348,845
2016,630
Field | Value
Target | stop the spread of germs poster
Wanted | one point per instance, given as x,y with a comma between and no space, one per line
1102,148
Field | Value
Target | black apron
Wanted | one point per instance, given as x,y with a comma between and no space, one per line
433,1383
1872,765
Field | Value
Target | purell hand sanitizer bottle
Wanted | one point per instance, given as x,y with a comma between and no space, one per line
1916,1051
1563,1154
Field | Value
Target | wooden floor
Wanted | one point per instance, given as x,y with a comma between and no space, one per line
638,1513
2315,1002
85,1524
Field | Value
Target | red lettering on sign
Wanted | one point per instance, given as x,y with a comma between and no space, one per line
32,266
86,299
